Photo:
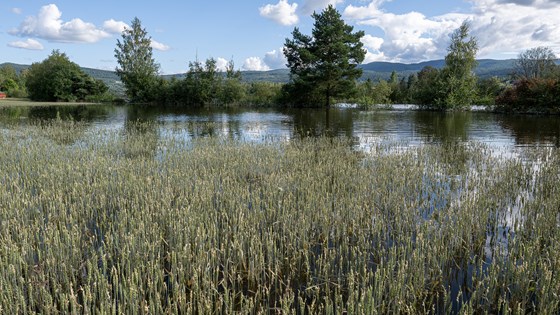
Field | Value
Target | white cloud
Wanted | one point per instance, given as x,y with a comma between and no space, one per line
369,11
410,37
309,6
221,64
255,64
372,42
48,25
373,48
500,26
521,2
159,46
374,56
16,11
115,27
282,12
503,26
29,43
275,59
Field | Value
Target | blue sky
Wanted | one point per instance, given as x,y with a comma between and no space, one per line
252,32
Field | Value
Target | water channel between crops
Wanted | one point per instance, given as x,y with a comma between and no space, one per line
410,127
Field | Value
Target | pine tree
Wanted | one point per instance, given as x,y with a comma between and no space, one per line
323,66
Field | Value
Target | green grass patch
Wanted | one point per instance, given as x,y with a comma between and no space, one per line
12,102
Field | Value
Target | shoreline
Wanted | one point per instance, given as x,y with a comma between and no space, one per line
23,102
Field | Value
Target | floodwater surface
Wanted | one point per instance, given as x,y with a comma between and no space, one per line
402,124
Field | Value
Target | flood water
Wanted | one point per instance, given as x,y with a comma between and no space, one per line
401,124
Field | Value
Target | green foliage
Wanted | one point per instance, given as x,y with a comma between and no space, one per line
425,87
538,86
200,87
201,83
396,88
531,95
457,83
400,94
8,78
263,94
59,79
323,66
370,94
488,90
11,82
205,85
454,86
137,68
8,84
232,90
7,72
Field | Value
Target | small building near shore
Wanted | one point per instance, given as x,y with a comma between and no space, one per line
3,95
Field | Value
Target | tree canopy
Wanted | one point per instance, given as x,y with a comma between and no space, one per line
537,85
137,68
323,66
59,79
458,82
538,62
11,82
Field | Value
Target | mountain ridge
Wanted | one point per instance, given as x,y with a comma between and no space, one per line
376,70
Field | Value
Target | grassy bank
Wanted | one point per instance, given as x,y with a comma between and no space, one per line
129,222
12,102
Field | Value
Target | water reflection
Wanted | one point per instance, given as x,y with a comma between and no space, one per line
140,135
83,113
532,129
413,127
13,114
315,122
443,127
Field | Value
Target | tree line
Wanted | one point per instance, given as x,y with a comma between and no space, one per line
55,79
533,86
323,71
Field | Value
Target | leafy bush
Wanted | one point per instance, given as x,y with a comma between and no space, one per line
11,82
263,94
59,79
370,94
531,95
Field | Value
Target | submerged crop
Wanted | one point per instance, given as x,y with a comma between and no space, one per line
93,221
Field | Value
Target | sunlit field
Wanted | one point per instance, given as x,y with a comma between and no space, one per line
105,222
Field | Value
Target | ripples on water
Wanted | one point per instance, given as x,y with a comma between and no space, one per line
402,124
504,136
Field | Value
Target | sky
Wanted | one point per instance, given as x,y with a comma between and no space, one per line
252,32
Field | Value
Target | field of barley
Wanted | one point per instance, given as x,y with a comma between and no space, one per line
99,221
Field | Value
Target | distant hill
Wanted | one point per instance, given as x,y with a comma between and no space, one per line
382,70
486,68
375,71
16,66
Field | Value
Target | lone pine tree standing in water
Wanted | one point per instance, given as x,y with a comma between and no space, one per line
323,66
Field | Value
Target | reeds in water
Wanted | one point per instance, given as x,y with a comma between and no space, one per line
93,221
